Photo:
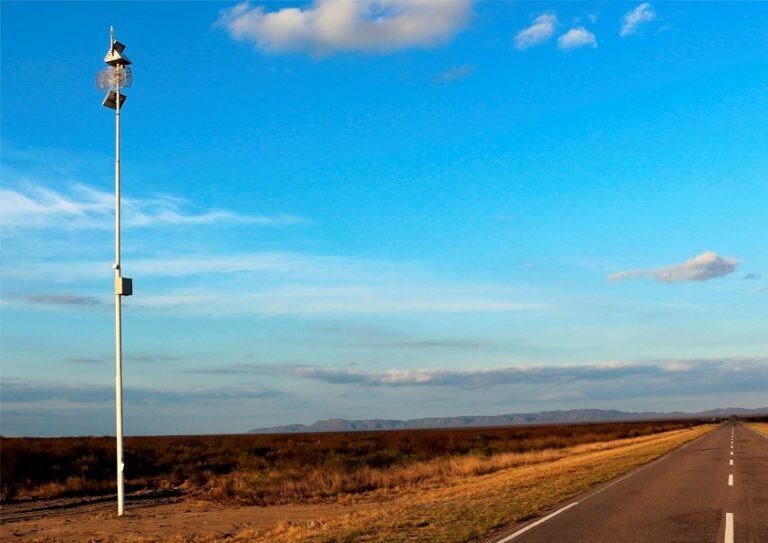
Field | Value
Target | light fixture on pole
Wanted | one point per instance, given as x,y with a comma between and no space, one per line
112,78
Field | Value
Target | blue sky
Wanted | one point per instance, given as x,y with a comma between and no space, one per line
384,209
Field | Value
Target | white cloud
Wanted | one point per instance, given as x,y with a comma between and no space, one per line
541,30
357,299
636,18
280,264
333,26
576,38
454,74
288,284
84,207
56,299
693,373
707,265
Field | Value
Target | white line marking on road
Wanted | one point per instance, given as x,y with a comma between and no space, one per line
641,468
731,453
605,487
730,479
728,528
533,525
756,432
731,461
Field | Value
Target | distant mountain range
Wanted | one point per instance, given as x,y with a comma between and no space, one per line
514,419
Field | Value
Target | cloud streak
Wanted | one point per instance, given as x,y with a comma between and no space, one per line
291,284
539,32
634,19
336,26
339,300
477,378
577,38
18,391
742,371
618,379
454,74
57,299
707,265
83,207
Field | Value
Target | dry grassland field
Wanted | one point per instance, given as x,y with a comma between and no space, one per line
423,485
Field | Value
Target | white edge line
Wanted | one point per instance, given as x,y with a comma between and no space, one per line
599,490
534,524
756,432
641,468
728,528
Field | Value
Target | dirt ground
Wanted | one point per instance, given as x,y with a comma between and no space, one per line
95,521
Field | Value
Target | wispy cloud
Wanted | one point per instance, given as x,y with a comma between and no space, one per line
127,357
576,38
672,375
152,358
707,265
540,31
634,19
333,26
423,344
292,284
56,299
29,391
361,299
477,378
32,206
84,360
279,264
454,74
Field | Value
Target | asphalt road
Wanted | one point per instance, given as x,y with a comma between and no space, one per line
694,494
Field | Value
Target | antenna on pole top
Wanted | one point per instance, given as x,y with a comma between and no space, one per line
111,36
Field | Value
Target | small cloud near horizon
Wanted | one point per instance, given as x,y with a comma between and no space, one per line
707,265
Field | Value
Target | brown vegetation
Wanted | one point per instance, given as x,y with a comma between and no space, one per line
270,469
459,506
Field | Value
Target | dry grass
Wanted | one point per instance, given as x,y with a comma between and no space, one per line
761,427
274,469
468,509
254,488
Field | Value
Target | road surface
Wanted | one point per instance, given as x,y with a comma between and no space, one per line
713,489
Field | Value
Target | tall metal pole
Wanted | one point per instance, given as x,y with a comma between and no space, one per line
117,75
118,312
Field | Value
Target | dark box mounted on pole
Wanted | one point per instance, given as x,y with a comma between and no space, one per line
123,286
